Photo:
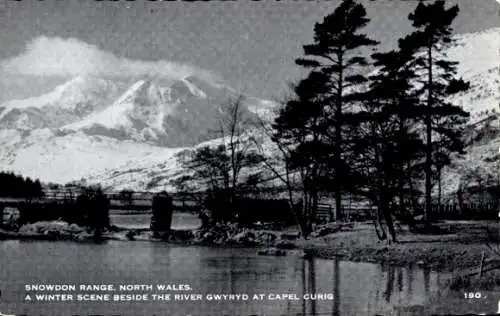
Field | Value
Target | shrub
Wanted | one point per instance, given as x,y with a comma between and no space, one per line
488,282
92,209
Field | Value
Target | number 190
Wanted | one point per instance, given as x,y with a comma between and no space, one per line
469,295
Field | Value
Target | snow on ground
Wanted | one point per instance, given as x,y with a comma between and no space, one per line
479,63
74,156
69,95
114,115
194,89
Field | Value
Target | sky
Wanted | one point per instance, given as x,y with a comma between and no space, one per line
249,45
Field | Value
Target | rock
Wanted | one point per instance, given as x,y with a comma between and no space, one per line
51,228
327,230
266,238
208,236
418,218
130,235
245,237
147,235
182,235
83,236
271,252
290,236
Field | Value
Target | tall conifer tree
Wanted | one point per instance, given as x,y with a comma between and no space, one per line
337,54
443,121
386,141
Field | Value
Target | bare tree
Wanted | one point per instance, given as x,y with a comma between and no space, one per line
234,122
279,164
220,165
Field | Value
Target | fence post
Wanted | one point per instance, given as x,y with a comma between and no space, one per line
481,265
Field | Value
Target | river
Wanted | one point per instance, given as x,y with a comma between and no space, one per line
349,288
143,220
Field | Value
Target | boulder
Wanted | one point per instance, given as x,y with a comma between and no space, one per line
130,235
245,237
51,228
271,252
182,235
327,229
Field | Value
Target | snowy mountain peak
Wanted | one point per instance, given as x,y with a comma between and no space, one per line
65,104
174,114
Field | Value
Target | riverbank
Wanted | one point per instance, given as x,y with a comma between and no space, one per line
457,246
220,235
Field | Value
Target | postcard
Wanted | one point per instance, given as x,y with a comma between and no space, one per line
265,158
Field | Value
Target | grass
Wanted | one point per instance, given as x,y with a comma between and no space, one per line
489,281
458,245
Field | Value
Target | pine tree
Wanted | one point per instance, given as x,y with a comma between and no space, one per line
386,141
443,121
298,131
336,54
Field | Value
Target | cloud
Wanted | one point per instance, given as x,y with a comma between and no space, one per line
56,56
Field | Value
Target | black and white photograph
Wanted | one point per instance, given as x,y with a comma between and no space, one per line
249,158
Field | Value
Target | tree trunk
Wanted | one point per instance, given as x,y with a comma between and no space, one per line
307,219
338,141
382,235
314,206
439,190
428,147
298,211
413,198
390,223
386,213
406,215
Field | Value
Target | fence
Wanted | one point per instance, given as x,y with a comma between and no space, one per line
466,211
326,212
134,201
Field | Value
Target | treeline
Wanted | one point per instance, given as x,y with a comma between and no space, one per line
12,185
347,130
90,209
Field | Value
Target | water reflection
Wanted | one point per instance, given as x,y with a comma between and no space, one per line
347,288
391,289
143,220
336,288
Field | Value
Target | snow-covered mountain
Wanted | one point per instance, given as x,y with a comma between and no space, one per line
160,112
88,126
479,63
126,134
180,114
68,103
